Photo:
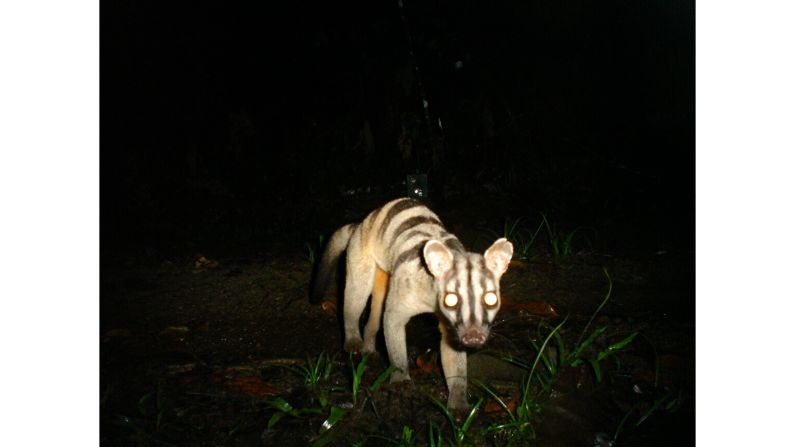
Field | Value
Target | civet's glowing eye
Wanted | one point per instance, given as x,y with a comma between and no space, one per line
490,299
450,299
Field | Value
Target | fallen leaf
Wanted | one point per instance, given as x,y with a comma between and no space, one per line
329,307
200,263
516,263
538,308
252,386
235,371
493,406
175,330
427,363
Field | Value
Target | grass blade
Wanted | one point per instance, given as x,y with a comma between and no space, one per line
544,345
381,378
335,415
587,342
597,370
617,346
599,309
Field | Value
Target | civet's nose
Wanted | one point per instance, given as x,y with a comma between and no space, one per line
474,337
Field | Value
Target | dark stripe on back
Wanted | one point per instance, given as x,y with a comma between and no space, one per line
409,255
397,208
411,223
414,233
454,244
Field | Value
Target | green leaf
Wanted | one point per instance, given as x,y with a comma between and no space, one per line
568,243
515,362
142,403
444,409
621,424
121,419
280,404
360,367
657,404
357,372
322,399
329,365
587,342
674,403
563,356
335,415
381,378
599,309
459,432
275,418
497,399
434,438
469,419
615,347
544,345
596,369
338,389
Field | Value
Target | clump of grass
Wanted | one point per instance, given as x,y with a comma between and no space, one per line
359,397
561,243
520,236
434,435
357,372
575,356
552,356
316,373
519,427
670,401
283,408
314,370
408,438
459,430
523,237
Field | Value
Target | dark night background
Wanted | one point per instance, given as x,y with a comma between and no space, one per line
234,135
235,124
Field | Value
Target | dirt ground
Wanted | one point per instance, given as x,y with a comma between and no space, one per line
195,346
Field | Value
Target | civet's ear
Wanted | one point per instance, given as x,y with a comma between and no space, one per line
438,258
498,256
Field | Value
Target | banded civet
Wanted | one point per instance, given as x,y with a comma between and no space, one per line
403,257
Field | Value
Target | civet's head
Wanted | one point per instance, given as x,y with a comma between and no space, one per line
469,287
